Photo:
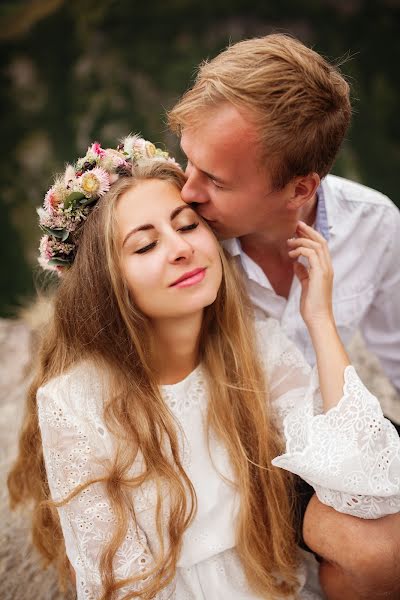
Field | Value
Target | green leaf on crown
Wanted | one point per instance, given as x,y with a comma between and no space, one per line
59,262
59,233
72,200
86,201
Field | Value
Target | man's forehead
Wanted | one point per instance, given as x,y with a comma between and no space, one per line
221,123
224,139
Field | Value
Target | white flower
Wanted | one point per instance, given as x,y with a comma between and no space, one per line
69,175
111,159
134,146
95,183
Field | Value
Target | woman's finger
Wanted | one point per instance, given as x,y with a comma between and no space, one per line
301,272
304,241
294,243
309,253
309,232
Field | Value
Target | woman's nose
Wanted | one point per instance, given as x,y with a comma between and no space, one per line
180,248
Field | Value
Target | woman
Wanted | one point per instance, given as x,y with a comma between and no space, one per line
159,404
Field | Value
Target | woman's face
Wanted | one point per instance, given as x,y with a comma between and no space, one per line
169,257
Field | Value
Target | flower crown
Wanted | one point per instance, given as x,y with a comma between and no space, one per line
73,195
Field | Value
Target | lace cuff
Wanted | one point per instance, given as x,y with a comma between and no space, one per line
350,455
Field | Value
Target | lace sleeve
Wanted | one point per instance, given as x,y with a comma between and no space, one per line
75,449
351,454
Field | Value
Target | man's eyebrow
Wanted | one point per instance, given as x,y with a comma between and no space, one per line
213,177
148,226
206,173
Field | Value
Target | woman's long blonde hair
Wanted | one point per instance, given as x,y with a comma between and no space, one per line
94,318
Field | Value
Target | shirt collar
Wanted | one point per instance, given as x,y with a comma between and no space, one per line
321,219
327,203
233,246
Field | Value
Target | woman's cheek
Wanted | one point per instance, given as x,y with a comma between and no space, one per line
209,242
148,272
137,275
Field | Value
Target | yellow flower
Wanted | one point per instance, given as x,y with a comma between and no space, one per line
95,183
90,184
150,149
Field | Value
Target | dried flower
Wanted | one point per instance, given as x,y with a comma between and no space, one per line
71,198
50,200
96,149
95,183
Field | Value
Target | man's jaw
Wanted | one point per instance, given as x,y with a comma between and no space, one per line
216,226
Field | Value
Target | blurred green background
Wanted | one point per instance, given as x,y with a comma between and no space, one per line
75,71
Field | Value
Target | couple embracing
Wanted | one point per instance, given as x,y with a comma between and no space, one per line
195,429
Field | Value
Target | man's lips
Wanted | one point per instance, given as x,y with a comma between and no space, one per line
206,218
190,277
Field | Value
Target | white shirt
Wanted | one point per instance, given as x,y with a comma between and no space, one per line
362,227
350,455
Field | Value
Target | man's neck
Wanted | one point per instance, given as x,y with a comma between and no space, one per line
177,347
269,248
273,238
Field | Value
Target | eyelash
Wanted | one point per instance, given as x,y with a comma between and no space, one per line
215,184
184,229
188,227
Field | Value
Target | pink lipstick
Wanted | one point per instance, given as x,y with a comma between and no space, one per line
190,278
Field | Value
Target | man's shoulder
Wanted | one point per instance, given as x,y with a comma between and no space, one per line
348,192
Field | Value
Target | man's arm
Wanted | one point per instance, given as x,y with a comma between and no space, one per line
360,558
380,326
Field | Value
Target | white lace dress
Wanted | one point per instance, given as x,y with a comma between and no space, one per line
350,455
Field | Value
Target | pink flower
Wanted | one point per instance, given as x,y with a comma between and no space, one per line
96,149
51,200
95,183
50,248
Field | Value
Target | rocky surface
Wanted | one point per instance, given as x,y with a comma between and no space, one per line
21,575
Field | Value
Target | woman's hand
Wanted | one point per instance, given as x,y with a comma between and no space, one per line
316,309
316,278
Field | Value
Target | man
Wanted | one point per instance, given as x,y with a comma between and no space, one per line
261,128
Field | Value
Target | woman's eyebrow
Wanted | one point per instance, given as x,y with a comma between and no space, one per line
148,226
177,211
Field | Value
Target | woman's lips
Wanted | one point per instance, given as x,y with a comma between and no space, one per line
190,278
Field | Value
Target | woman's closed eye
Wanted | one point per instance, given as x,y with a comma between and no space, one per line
151,245
188,227
146,248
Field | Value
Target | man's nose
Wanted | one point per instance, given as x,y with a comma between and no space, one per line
193,192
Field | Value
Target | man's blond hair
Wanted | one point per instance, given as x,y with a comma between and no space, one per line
298,102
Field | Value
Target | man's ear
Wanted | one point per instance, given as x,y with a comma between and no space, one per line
302,189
